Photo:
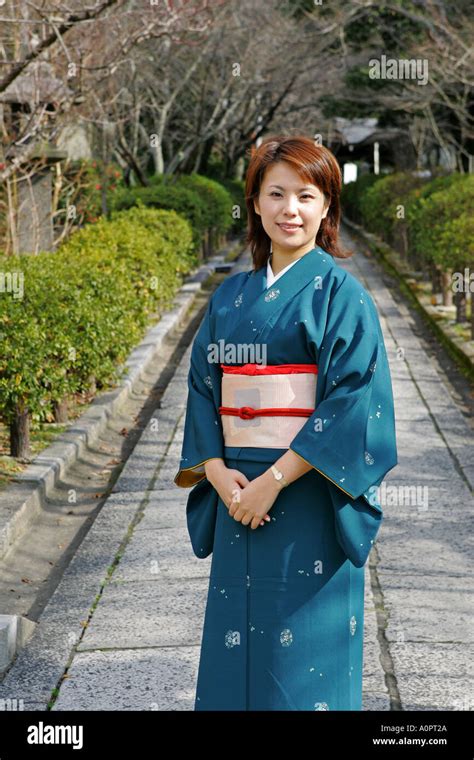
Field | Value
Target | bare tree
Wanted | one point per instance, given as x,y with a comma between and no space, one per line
57,58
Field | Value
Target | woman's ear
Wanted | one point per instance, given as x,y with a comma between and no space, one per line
256,206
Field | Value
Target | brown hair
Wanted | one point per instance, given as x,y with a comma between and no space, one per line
315,164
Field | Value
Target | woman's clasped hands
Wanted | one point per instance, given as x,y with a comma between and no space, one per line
248,501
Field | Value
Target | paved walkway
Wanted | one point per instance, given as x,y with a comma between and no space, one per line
124,625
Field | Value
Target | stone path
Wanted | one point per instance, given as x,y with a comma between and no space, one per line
123,628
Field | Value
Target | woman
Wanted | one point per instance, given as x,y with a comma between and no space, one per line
289,430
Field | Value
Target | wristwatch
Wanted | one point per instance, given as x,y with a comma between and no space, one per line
279,477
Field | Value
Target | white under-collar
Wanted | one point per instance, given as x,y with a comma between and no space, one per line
272,277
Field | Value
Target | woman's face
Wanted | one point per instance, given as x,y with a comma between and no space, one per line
287,199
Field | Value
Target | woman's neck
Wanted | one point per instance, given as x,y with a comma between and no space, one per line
279,260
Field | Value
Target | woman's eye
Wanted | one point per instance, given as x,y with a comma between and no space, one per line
306,195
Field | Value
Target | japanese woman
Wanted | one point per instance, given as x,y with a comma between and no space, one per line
289,431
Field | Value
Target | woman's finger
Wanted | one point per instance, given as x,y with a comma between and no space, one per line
241,479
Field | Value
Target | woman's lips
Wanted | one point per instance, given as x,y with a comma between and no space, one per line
290,227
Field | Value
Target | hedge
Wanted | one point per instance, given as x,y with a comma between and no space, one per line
434,230
85,306
352,195
205,203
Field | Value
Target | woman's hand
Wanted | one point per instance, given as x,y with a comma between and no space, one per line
251,503
229,484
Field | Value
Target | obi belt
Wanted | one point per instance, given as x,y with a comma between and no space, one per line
266,405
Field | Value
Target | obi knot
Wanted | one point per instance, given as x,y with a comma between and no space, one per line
247,412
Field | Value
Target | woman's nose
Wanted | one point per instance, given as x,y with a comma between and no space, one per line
291,205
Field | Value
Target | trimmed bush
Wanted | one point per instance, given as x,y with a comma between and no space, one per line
434,212
352,194
416,208
205,204
85,307
435,230
380,204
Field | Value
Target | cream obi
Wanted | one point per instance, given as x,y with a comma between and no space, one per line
266,405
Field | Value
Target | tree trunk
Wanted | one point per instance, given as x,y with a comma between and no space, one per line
460,299
404,240
436,285
213,241
461,304
157,154
447,287
20,433
205,245
472,315
60,409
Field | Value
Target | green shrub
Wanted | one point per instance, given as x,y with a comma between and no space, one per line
85,306
418,214
352,193
217,213
166,196
443,223
204,203
380,204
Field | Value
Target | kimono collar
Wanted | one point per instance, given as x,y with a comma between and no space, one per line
271,277
256,306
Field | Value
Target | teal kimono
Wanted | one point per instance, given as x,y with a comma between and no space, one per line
283,627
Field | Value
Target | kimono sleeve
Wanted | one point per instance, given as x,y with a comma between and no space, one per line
203,436
350,437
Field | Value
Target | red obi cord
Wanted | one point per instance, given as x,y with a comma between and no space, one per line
269,369
248,412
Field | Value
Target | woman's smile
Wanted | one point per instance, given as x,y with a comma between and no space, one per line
289,227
